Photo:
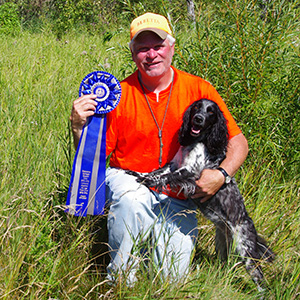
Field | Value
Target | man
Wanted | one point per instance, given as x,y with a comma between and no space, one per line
142,135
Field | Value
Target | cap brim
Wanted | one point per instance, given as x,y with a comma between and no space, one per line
161,33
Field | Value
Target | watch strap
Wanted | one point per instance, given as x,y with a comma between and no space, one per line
226,175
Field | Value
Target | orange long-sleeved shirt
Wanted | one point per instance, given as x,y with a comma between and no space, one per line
132,136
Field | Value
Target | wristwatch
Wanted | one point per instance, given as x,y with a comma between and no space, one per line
227,177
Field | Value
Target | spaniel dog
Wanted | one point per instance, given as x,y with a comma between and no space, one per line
203,137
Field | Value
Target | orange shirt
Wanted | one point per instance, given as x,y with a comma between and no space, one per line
132,136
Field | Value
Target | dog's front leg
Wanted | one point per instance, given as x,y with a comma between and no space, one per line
181,180
178,180
223,241
151,179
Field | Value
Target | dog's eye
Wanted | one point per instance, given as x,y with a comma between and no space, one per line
210,110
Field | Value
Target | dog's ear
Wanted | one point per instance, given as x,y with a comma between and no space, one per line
184,132
217,137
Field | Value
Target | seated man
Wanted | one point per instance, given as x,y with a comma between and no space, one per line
142,135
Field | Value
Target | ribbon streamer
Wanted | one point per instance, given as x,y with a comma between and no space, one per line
86,193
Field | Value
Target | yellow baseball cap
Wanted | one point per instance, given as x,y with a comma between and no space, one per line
150,22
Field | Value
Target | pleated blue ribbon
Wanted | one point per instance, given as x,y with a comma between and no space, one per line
86,193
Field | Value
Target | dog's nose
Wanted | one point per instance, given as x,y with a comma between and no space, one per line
198,119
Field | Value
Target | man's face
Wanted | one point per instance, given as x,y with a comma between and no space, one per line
152,55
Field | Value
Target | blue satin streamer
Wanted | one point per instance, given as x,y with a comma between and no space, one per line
86,193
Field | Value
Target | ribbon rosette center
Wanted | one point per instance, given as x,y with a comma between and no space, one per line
105,86
101,90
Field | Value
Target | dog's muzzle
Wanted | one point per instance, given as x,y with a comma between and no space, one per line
197,124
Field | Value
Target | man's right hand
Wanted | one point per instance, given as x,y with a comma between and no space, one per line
82,108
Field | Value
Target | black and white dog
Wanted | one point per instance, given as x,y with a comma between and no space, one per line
203,137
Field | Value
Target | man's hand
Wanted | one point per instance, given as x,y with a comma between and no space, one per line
82,108
208,184
211,181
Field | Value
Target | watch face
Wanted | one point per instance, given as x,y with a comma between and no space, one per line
227,179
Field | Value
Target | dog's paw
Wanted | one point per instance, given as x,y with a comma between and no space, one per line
133,173
142,178
150,181
139,176
186,185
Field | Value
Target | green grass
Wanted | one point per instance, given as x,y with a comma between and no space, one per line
45,253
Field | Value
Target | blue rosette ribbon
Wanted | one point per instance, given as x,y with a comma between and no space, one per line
86,193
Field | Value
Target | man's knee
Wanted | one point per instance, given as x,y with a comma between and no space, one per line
132,213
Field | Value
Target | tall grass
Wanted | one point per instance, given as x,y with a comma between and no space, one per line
252,59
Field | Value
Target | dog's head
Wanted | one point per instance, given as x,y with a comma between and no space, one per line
204,122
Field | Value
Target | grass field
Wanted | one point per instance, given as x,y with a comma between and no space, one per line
46,254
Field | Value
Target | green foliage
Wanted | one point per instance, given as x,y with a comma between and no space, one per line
9,19
243,55
68,14
30,9
90,16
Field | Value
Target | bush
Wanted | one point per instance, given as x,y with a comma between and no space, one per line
86,15
9,19
252,61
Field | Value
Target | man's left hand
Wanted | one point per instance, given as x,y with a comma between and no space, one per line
208,184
